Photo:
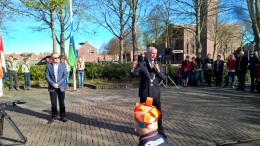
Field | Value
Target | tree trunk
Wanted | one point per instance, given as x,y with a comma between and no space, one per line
62,39
134,37
121,47
214,50
54,43
198,32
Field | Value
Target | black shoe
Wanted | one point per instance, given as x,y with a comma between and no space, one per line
52,120
243,90
17,89
238,89
251,91
64,119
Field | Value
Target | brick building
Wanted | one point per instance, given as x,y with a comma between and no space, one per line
183,41
88,52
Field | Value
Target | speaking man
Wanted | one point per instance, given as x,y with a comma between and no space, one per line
149,71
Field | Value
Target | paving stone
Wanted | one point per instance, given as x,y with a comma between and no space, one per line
200,116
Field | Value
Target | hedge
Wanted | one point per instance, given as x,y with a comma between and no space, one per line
109,72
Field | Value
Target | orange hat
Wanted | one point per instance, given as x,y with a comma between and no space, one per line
146,115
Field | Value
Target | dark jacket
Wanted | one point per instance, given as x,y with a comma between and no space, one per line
144,70
153,139
253,64
200,62
243,65
49,76
194,67
208,61
219,66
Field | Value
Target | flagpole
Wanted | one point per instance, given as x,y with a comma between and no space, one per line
74,68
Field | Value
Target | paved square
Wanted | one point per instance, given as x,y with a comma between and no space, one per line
191,117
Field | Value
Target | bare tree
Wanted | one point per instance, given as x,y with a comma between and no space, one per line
254,13
224,34
112,47
45,10
113,15
199,12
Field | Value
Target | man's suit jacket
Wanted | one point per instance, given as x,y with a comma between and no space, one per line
50,77
142,70
243,65
219,66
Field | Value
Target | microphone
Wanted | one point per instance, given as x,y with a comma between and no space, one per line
155,61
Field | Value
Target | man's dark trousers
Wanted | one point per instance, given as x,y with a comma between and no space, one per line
253,77
157,104
61,97
241,80
13,74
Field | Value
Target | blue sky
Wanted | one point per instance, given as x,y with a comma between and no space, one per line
21,38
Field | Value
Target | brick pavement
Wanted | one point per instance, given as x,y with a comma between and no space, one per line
191,117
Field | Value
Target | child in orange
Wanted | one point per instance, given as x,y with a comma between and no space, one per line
146,117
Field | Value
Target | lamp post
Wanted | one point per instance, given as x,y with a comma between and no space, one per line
95,45
82,51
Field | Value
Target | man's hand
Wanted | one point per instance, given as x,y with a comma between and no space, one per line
133,65
156,66
55,85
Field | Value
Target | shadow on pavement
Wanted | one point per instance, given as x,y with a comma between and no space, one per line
75,118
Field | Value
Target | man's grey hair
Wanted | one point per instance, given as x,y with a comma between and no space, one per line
149,49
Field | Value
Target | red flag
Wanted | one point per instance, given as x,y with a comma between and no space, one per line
2,56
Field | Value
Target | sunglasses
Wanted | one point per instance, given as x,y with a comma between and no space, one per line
56,57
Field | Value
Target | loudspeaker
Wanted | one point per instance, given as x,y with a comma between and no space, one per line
168,54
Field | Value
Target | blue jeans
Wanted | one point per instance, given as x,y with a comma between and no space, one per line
194,78
81,78
67,79
233,78
179,80
26,80
201,76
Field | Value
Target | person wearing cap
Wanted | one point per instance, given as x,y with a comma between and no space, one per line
241,70
145,123
13,67
26,72
150,71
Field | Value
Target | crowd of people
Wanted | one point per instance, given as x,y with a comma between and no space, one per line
194,70
13,68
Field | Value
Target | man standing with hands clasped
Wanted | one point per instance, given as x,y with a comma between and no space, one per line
150,70
55,74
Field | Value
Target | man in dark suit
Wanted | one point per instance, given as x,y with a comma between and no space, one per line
55,74
241,70
150,70
218,70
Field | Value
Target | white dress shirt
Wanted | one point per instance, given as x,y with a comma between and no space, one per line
55,67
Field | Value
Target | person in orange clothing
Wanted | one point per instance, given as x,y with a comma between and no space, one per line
186,65
146,124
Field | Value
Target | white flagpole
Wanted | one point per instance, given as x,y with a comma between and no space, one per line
74,68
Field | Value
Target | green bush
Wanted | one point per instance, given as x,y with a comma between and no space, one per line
106,72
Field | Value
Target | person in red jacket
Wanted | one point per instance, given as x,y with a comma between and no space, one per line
231,65
258,78
186,65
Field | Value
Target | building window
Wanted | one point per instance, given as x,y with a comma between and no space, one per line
91,51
